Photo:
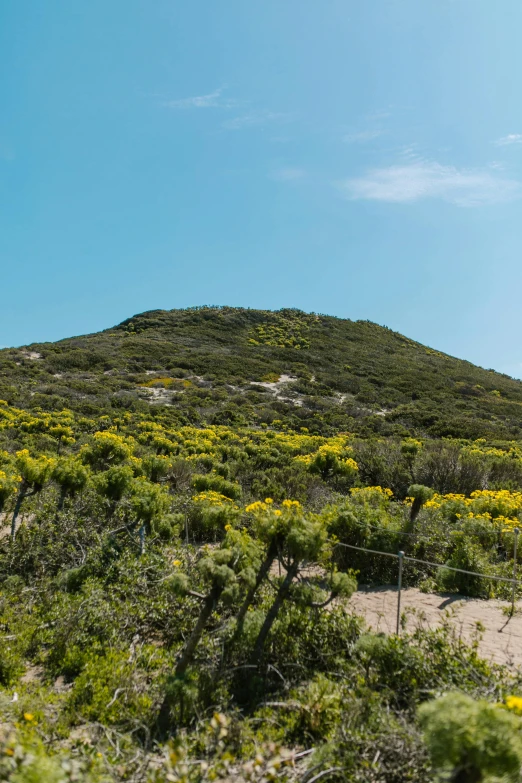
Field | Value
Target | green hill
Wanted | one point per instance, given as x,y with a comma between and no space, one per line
183,502
206,365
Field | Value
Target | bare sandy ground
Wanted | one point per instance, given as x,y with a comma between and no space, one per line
501,637
5,527
5,522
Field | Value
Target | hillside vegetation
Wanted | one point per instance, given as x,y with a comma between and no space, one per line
206,363
178,499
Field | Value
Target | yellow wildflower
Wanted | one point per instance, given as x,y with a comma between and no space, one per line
212,498
254,507
514,703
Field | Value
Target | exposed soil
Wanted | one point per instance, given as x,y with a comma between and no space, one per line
277,388
501,637
5,522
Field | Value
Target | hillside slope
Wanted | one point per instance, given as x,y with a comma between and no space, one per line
180,546
236,366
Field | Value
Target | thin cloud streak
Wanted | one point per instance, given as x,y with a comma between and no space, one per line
216,100
421,179
255,118
212,100
511,138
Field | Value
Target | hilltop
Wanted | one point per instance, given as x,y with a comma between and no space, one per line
234,366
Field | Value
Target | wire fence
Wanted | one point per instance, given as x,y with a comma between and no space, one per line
402,558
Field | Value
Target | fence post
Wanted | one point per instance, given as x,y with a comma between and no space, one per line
515,547
399,585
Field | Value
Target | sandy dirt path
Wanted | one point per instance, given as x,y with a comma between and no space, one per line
5,522
5,527
501,639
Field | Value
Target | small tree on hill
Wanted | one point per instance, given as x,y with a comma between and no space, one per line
147,502
222,571
114,483
8,486
420,495
156,467
71,476
106,450
109,454
331,461
34,472
299,540
269,527
63,434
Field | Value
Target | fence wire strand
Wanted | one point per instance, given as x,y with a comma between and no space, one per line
429,563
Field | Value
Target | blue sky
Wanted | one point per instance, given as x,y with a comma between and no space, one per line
362,159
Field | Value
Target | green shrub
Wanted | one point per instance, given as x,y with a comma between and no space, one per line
25,759
472,740
112,689
317,710
469,556
215,483
11,662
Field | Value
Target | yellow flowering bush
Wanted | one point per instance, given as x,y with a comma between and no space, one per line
212,498
282,331
167,383
500,507
371,494
331,459
8,485
212,515
106,449
33,470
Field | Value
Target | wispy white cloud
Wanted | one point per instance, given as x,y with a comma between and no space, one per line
254,118
362,136
217,100
420,179
511,138
287,174
211,100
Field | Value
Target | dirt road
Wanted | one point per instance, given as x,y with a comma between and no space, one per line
501,639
